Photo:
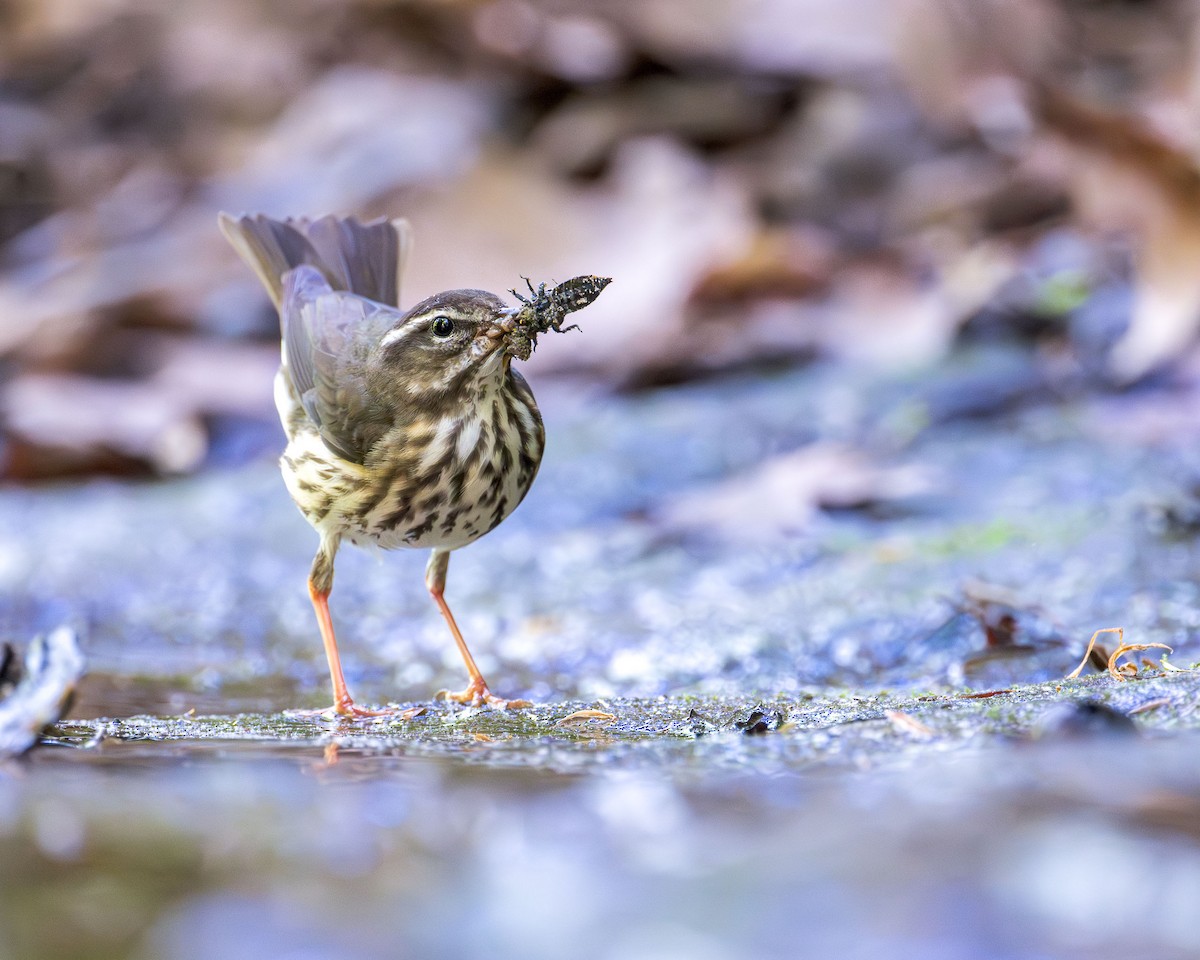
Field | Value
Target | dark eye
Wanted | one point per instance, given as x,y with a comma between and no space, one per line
442,326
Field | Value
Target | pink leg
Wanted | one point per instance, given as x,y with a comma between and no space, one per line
477,692
320,582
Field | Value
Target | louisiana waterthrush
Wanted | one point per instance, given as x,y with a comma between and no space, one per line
404,428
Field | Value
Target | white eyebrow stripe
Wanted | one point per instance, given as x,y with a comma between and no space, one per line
402,332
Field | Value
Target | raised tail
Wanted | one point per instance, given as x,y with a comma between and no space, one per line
363,258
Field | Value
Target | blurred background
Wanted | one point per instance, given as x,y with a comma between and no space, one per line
899,363
896,387
772,182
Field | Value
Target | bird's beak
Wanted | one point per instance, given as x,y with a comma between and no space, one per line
502,326
499,333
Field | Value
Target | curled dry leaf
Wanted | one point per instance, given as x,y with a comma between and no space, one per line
585,716
1122,671
1125,671
1087,654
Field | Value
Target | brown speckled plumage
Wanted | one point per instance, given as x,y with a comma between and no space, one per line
405,428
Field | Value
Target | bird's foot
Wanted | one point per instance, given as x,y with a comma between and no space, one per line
348,709
477,694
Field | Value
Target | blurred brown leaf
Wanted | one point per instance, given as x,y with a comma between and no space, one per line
67,425
775,264
765,181
780,497
1125,175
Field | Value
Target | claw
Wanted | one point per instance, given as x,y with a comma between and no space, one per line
349,710
477,694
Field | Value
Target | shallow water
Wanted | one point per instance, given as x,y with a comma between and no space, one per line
250,850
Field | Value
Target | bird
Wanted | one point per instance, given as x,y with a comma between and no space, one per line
405,428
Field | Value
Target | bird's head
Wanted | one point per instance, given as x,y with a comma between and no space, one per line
447,339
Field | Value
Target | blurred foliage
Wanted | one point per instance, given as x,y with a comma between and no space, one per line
768,182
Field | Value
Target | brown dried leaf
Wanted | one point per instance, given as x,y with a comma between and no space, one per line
1119,631
997,609
1125,671
776,263
1124,175
585,716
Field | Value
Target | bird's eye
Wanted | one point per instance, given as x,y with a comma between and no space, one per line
442,326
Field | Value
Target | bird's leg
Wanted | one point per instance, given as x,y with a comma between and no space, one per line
477,691
320,582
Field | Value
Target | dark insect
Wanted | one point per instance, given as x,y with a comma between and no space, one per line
546,309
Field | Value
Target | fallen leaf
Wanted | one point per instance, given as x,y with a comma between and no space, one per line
776,263
1119,631
585,716
1130,669
1126,175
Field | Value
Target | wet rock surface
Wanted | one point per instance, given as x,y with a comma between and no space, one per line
790,728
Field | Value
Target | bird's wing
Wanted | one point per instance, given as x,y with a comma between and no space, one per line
328,336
